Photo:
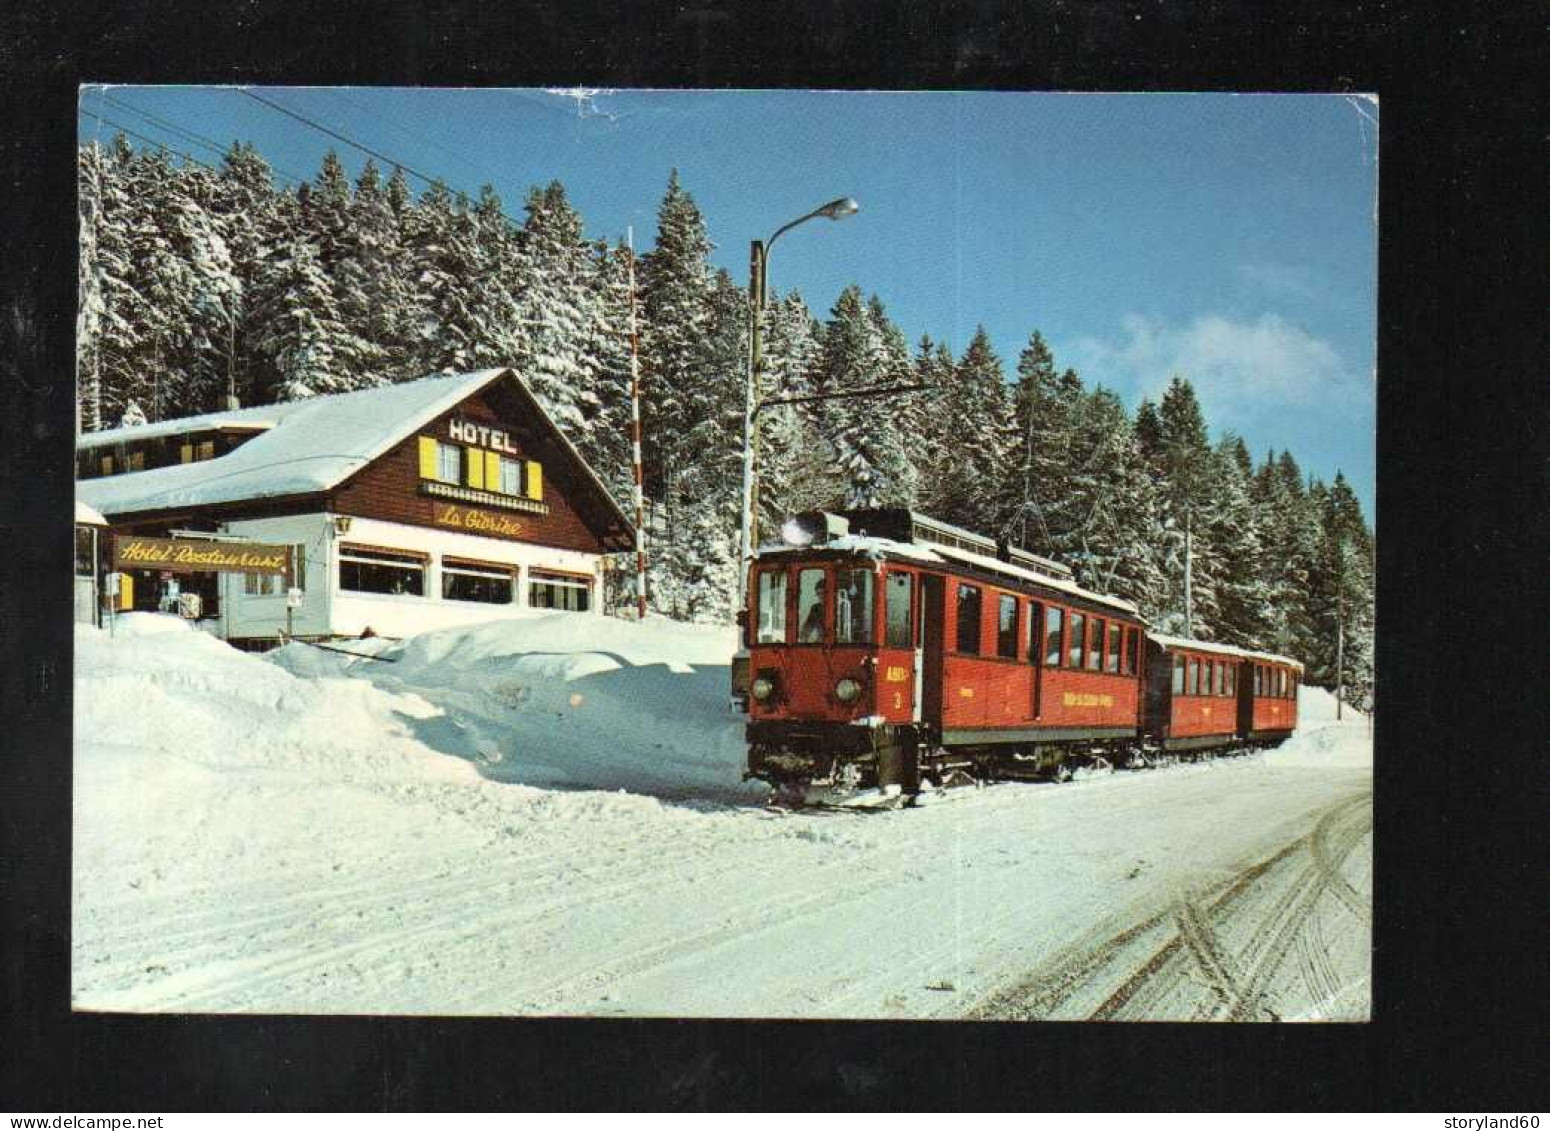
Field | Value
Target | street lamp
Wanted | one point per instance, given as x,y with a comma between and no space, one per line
758,262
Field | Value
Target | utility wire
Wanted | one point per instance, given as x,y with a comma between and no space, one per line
350,141
414,134
149,140
190,135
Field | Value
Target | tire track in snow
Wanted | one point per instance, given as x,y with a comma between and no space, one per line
1151,978
1268,948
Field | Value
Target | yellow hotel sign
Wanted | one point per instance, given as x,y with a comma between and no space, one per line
191,555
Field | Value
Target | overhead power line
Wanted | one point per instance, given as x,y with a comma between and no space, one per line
191,136
121,128
429,180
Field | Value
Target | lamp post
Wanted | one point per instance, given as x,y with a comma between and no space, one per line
758,262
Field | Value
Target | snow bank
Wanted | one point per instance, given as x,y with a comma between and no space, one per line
1321,740
559,700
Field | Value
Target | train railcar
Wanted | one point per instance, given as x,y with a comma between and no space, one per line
1267,698
1202,695
910,651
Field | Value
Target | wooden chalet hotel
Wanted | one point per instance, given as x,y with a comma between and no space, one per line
395,510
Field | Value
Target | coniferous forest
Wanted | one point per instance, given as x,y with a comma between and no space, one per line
196,283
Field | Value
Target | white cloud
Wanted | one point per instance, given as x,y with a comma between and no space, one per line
1238,368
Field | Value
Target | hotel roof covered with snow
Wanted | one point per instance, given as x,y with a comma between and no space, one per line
409,507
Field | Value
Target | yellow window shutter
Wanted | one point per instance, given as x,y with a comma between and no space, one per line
474,461
428,465
186,453
126,592
107,465
492,471
535,480
207,449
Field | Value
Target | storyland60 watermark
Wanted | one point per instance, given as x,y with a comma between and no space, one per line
1491,1123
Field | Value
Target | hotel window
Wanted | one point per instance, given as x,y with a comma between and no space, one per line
273,584
510,481
381,571
1075,639
474,581
1006,627
558,591
969,620
449,462
853,606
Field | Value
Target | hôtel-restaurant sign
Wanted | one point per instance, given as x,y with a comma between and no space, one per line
189,555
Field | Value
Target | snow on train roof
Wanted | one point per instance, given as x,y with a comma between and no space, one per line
1224,649
872,547
304,446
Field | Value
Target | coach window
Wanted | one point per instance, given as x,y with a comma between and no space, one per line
1232,679
1294,686
853,606
1259,680
1006,626
810,600
969,620
1075,640
1193,687
1054,621
1281,682
1111,654
899,588
1035,628
1095,651
1221,677
772,607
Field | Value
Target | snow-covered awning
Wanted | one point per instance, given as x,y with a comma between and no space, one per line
86,515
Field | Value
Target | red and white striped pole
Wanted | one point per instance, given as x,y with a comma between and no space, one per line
640,499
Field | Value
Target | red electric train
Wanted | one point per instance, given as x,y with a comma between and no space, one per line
888,649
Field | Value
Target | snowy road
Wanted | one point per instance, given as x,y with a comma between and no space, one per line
1234,889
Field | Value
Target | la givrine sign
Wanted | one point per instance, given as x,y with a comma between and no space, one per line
191,555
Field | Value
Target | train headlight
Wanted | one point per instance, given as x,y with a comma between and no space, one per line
846,690
762,688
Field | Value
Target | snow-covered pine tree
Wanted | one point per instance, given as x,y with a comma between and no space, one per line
1340,595
933,440
1235,528
296,331
556,303
605,440
797,470
864,431
675,300
1033,500
1184,455
978,423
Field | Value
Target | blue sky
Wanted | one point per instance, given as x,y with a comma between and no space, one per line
1228,238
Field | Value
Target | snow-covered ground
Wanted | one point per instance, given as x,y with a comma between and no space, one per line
545,816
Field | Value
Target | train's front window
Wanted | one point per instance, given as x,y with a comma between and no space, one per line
810,597
772,607
853,606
